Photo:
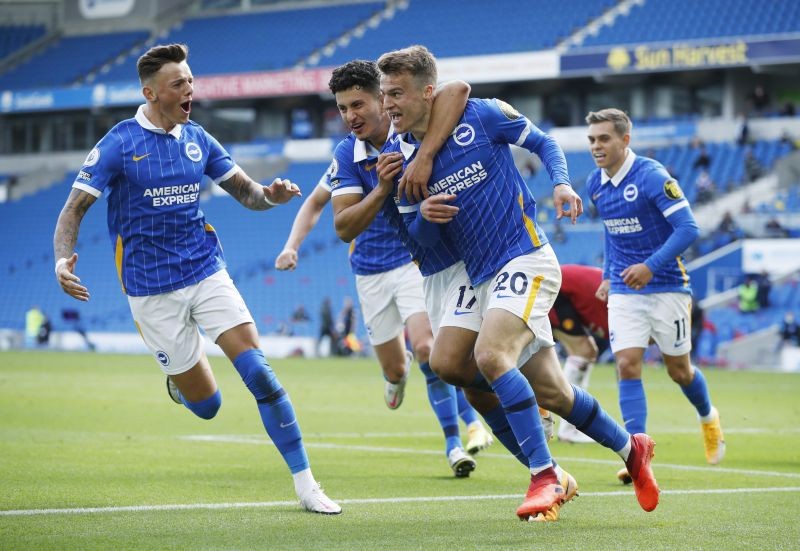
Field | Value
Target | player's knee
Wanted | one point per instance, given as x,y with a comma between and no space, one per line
682,376
588,350
628,369
490,363
449,369
422,351
257,374
208,408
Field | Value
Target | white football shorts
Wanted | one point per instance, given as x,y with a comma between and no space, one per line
634,319
169,323
527,286
451,301
388,300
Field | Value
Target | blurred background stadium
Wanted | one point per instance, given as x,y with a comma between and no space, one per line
712,86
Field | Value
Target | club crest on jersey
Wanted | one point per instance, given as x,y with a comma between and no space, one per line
333,169
630,193
464,134
673,190
92,157
193,151
162,357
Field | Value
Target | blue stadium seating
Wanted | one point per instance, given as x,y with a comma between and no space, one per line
259,41
452,28
669,20
69,59
14,37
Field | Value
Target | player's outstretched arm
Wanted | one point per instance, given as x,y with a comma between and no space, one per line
450,100
307,217
254,196
64,240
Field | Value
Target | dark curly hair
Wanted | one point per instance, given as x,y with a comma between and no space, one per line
358,73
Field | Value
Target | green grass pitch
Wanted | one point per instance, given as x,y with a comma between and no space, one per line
95,441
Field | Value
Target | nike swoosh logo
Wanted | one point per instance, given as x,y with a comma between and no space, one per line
677,344
369,167
521,443
137,158
596,195
461,313
443,400
284,425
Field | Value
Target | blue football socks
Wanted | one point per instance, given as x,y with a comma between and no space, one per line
205,409
519,403
593,421
697,393
465,410
498,423
444,403
275,408
633,405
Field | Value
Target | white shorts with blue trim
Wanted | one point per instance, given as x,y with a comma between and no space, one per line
170,323
633,319
388,299
527,286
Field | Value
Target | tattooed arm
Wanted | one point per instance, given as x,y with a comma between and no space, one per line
254,196
66,235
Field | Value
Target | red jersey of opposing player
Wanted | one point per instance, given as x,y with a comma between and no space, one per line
576,310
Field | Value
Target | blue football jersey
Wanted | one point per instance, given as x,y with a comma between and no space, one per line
635,206
385,244
496,221
151,180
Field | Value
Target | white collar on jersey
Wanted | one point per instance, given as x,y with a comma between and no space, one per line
364,150
622,172
145,123
407,148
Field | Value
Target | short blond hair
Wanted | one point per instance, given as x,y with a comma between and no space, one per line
622,123
415,60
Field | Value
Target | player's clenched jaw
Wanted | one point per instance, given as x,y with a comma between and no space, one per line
169,95
407,101
607,146
361,111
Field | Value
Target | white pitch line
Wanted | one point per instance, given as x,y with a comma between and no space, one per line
362,501
409,451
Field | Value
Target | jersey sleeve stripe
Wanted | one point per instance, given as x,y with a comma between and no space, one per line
88,189
676,207
349,190
405,209
227,175
523,136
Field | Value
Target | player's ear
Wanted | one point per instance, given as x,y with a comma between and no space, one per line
627,139
149,94
429,90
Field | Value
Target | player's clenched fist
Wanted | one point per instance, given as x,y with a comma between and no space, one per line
287,260
389,166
